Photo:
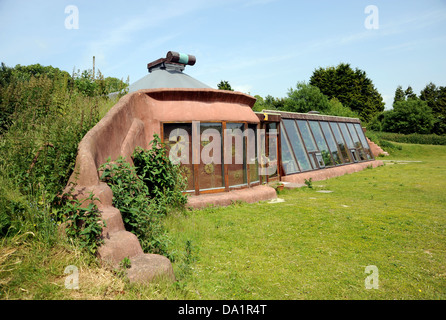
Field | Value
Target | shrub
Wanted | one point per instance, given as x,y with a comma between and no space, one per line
163,179
42,120
306,98
410,116
145,192
140,215
414,138
82,222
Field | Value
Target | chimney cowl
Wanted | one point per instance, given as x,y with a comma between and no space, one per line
177,60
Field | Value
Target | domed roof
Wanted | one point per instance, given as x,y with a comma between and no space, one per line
168,73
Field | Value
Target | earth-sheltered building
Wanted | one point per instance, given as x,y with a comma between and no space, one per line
229,152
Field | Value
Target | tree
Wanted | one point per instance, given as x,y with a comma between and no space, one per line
410,116
306,98
269,103
259,105
436,100
409,93
351,87
338,109
224,85
399,95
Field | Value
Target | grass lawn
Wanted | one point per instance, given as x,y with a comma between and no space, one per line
311,246
317,245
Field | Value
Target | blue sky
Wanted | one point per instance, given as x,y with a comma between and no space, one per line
261,47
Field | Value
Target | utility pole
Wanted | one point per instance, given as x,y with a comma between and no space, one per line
93,67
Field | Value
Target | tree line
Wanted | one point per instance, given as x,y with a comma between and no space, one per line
344,91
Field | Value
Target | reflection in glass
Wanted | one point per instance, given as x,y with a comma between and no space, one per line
309,141
252,154
210,169
297,144
288,162
306,135
235,152
356,141
340,142
177,138
346,135
272,134
322,145
364,142
331,142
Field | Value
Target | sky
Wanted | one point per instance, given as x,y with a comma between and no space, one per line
261,47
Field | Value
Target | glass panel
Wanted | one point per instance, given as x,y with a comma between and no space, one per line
364,142
356,141
331,142
288,162
308,140
271,135
346,135
252,154
322,145
177,137
210,169
320,159
236,153
340,142
272,125
297,144
306,136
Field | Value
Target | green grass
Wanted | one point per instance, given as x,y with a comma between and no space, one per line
317,245
312,246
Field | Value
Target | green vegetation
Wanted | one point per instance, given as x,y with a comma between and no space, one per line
43,117
307,98
342,91
406,117
317,245
412,114
224,85
312,246
361,97
145,193
82,221
414,138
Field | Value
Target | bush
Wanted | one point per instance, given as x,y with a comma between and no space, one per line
306,98
42,120
414,138
82,222
163,179
338,109
410,116
145,192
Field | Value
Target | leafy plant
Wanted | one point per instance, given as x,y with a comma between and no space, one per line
410,116
187,259
140,215
163,179
414,138
83,222
121,271
309,182
145,192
